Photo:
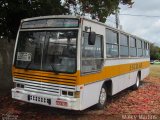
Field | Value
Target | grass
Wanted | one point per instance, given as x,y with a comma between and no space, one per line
155,71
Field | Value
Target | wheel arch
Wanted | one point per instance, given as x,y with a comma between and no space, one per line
139,74
108,84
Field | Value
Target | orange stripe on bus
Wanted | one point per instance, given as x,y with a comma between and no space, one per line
78,79
112,71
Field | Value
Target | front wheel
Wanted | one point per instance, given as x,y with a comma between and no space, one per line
102,98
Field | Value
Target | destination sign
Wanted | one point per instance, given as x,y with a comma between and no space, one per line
55,23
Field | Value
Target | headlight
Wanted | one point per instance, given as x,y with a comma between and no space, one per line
64,93
19,85
70,94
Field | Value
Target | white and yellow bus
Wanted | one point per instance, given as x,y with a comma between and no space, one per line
73,63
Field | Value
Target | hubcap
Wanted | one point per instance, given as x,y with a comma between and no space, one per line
103,96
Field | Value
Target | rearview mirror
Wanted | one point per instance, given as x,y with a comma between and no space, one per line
91,38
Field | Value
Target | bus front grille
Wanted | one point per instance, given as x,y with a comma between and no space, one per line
42,87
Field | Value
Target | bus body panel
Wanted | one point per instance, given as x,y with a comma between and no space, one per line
91,93
144,73
121,82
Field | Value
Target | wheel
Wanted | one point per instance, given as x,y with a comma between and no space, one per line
137,84
102,98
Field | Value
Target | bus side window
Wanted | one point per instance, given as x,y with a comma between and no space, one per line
143,47
112,48
91,54
133,49
124,45
147,49
139,48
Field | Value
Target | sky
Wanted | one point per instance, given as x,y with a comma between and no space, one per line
147,28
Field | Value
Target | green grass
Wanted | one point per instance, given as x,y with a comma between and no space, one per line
155,71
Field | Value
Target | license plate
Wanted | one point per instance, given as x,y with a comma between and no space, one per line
62,103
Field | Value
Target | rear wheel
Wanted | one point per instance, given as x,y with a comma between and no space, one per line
137,84
102,98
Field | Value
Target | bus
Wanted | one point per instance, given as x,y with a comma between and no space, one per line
72,62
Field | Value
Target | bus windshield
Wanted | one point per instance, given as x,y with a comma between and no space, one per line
47,50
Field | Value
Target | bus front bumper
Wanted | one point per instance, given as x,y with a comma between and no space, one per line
47,100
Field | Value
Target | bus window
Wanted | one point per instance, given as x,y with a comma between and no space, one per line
143,47
47,50
133,50
91,54
139,47
60,51
124,42
29,47
112,44
147,49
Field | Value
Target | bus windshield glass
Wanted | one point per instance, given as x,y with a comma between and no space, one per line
47,50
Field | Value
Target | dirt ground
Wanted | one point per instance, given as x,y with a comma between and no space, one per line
143,104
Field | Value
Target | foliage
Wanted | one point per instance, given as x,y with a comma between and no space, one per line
12,11
154,52
99,9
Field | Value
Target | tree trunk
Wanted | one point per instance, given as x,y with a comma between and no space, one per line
6,54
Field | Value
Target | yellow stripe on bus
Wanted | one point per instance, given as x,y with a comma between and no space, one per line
76,78
112,71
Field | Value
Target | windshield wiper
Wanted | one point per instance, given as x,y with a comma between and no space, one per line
53,69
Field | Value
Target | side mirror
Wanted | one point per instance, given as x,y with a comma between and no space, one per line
91,38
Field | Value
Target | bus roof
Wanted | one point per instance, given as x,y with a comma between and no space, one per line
51,16
83,17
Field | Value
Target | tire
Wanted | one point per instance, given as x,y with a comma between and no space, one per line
102,98
137,84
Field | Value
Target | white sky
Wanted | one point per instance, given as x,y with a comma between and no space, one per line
144,27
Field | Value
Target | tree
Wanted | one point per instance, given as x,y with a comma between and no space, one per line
12,11
154,52
100,9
